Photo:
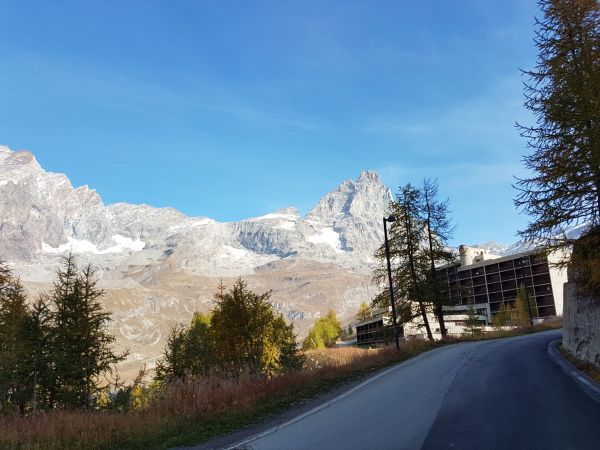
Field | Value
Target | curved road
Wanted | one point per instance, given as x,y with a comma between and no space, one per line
502,394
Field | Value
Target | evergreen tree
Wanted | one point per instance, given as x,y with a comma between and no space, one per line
439,231
472,322
81,342
283,348
38,338
14,389
249,336
174,365
190,351
199,346
563,93
407,242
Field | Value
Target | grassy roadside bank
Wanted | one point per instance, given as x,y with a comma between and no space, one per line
188,413
588,368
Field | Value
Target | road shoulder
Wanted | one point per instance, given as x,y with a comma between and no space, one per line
587,384
267,425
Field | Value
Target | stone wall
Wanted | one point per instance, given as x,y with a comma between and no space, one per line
581,325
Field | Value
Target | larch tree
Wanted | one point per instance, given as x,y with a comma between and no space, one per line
410,263
439,231
364,312
563,93
324,333
525,309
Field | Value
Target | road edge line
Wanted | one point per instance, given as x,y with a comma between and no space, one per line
588,385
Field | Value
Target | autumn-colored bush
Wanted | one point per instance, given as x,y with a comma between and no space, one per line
210,405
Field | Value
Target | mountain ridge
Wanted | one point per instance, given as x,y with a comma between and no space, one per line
329,230
157,265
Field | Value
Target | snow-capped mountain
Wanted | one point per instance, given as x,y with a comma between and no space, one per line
492,247
158,265
42,214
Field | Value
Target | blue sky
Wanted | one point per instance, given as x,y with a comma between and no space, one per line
231,109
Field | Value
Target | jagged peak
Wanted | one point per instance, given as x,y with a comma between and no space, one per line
16,157
361,198
368,176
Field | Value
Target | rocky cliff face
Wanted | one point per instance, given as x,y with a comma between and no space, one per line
158,265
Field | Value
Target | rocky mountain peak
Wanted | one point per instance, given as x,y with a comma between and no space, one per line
42,214
16,163
368,176
362,199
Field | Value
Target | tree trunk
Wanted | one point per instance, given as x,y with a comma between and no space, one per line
436,300
413,274
33,400
439,312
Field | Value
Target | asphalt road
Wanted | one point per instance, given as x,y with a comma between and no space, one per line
503,394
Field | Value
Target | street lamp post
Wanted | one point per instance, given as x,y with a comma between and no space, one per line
391,218
523,261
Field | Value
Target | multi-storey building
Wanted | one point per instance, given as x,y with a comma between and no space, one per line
376,330
487,281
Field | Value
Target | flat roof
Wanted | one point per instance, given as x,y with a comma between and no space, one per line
486,262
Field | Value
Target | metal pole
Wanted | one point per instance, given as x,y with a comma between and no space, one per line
528,307
526,293
389,268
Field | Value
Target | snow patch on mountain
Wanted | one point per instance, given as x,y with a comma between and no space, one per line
82,246
234,253
326,236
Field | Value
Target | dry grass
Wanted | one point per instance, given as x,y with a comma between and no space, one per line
184,413
197,401
586,367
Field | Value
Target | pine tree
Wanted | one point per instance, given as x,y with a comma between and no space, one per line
14,389
439,231
38,338
563,93
81,342
174,365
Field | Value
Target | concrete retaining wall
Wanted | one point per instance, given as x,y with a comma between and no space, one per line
581,325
